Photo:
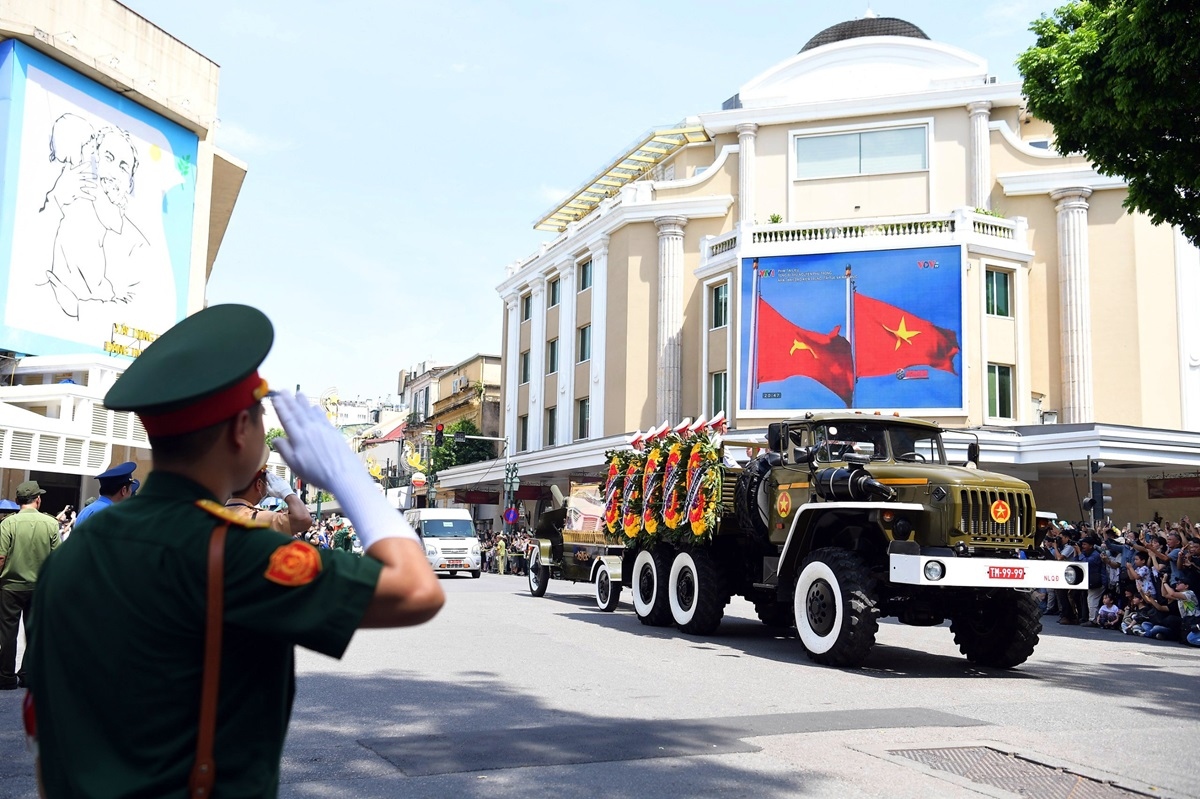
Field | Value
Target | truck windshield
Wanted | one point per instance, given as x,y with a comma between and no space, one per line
910,444
447,528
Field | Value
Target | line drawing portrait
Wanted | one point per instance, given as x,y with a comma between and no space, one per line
96,247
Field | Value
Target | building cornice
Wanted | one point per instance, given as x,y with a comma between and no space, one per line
1046,181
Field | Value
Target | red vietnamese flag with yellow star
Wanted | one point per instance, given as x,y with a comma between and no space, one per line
785,350
887,339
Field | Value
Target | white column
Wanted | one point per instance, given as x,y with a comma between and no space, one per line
980,162
670,317
537,361
747,132
566,353
1075,311
599,337
512,360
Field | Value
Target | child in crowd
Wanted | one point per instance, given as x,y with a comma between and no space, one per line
1109,615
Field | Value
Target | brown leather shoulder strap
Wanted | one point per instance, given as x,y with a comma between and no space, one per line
204,770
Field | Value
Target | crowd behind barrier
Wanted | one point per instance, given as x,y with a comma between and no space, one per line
1142,578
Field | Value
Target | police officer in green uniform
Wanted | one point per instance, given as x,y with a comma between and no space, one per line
117,638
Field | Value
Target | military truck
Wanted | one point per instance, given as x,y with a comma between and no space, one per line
570,544
846,518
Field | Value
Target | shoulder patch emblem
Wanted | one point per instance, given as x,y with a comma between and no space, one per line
294,564
229,515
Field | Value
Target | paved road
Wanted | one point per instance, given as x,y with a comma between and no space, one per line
504,695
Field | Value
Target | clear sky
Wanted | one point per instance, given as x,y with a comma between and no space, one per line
399,152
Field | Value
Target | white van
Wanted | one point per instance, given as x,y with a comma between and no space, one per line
449,537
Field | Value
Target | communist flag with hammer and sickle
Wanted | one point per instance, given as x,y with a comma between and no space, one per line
787,350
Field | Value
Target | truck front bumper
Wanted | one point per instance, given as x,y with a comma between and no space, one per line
937,570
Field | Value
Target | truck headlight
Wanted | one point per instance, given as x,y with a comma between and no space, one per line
1073,575
430,552
934,570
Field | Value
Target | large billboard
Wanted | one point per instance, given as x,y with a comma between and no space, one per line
97,198
876,329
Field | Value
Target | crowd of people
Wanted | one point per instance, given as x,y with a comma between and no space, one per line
336,532
1142,579
505,553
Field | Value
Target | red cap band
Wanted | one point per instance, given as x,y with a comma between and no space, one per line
208,411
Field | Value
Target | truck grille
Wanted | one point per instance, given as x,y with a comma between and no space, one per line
982,529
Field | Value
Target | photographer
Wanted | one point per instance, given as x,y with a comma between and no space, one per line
1088,554
1060,548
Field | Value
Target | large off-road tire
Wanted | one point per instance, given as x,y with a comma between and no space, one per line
1000,630
696,593
836,615
779,616
608,593
650,571
753,498
539,575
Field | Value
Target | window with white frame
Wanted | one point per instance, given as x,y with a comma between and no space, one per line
523,433
524,368
718,392
1000,391
551,356
719,296
551,426
526,307
585,344
867,152
999,285
585,275
583,418
554,291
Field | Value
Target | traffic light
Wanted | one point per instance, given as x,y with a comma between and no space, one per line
1098,501
439,435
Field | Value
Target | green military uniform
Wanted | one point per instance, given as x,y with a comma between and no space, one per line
26,540
117,639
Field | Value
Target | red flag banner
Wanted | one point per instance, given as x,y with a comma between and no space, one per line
887,338
785,350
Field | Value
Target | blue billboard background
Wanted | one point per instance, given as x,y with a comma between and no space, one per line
811,293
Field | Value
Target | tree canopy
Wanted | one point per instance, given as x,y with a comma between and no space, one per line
470,451
1120,82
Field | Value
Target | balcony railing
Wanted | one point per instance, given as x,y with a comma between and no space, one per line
961,225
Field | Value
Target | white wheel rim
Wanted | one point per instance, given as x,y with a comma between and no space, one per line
683,560
818,644
644,560
534,579
602,580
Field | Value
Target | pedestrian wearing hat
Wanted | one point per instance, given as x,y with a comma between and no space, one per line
265,484
119,631
116,485
26,540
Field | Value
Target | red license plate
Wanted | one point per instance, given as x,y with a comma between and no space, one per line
1006,573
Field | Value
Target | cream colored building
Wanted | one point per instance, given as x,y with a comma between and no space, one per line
79,72
1070,330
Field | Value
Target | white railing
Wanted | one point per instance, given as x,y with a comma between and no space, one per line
962,225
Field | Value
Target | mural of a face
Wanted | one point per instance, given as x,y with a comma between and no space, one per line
116,162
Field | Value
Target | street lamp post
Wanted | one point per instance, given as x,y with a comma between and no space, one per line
511,483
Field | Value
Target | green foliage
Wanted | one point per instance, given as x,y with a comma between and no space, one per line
1118,81
775,219
470,451
273,434
990,212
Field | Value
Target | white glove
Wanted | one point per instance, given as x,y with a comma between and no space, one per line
278,487
319,454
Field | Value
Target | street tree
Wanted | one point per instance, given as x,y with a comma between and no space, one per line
1118,80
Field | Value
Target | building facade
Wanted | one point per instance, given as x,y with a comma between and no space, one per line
876,224
92,94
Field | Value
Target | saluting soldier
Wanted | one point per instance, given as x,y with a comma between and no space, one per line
116,485
265,484
118,636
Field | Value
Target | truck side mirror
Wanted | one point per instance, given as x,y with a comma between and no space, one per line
973,453
775,435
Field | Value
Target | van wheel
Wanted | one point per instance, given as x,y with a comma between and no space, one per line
836,614
539,576
650,601
475,574
453,573
608,593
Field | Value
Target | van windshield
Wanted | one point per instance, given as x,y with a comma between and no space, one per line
447,528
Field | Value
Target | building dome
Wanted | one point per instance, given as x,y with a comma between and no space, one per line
867,26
